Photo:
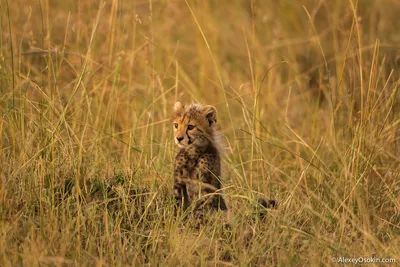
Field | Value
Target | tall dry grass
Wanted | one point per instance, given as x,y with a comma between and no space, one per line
308,101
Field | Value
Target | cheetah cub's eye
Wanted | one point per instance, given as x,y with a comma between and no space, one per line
175,125
190,127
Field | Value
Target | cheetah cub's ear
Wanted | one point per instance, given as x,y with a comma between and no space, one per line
178,107
210,113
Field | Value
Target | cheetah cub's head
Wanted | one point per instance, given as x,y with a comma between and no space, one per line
194,124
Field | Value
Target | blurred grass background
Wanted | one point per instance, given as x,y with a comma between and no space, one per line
308,102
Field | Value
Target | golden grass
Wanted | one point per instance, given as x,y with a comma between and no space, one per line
308,101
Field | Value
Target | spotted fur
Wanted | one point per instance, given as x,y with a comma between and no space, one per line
197,168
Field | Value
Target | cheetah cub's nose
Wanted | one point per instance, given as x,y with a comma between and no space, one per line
179,139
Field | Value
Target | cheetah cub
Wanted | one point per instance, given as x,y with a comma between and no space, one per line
197,167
